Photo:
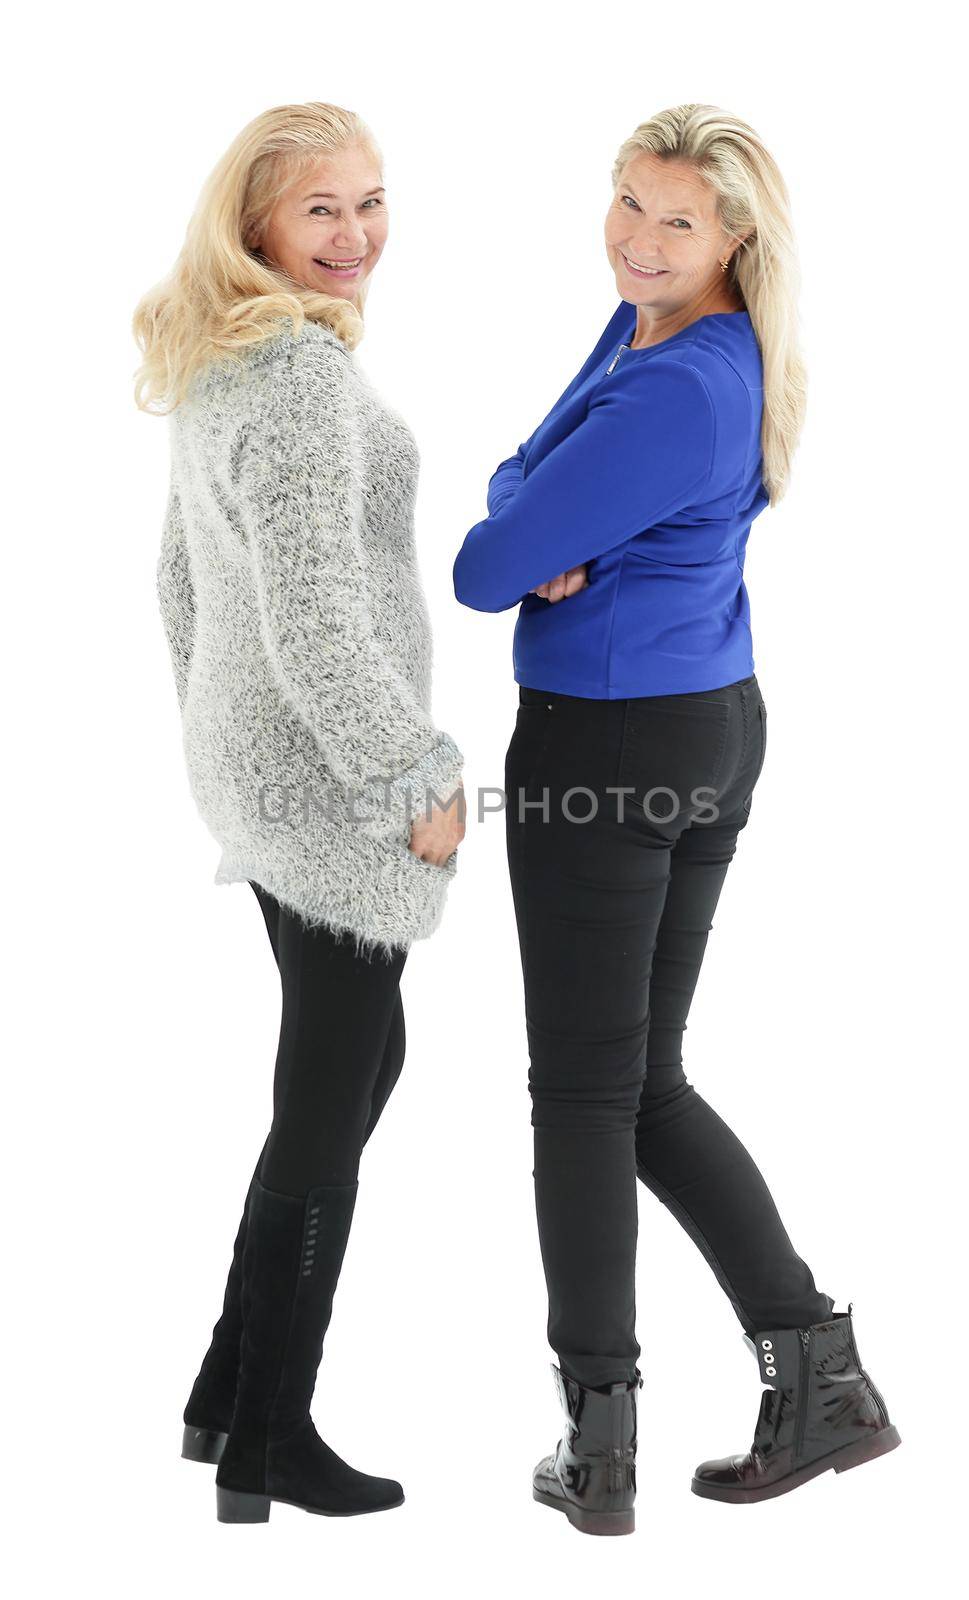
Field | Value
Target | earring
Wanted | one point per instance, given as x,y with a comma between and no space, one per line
724,264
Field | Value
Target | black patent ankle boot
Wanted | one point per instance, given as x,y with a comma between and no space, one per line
291,1263
592,1474
208,1412
821,1410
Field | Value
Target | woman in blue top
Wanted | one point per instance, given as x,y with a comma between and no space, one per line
619,529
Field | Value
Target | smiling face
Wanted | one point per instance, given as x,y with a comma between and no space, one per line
328,229
663,217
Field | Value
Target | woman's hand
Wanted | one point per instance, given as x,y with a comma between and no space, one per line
437,839
565,584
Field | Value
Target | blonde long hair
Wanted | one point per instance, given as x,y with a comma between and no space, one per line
223,295
752,200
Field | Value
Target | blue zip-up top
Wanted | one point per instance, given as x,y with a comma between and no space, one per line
648,469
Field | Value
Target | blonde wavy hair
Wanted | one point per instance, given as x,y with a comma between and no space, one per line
752,201
223,295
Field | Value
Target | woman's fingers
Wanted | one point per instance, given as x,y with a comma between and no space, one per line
564,584
575,579
436,840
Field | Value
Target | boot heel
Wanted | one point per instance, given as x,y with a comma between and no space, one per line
202,1444
232,1505
601,1521
868,1449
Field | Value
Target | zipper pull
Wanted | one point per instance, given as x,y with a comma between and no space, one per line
615,358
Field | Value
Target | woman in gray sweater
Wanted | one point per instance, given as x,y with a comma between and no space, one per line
301,648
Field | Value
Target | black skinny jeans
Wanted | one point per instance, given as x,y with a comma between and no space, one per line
613,911
341,1050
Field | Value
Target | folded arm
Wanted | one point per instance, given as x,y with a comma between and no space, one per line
644,449
507,476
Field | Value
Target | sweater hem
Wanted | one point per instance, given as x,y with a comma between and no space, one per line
371,937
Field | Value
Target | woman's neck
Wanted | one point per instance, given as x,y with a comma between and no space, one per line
660,329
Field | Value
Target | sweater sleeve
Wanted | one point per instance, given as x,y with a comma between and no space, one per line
644,448
302,486
176,596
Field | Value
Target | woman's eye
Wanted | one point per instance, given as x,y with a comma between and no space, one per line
372,200
628,198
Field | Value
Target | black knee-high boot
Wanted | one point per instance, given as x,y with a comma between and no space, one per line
293,1254
208,1413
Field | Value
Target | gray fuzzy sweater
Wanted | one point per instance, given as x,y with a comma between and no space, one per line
300,637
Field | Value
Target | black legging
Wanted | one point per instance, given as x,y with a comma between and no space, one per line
341,1050
613,915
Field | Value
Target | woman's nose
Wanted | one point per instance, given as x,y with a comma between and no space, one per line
644,246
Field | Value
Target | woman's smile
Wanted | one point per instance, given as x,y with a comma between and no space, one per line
341,269
642,272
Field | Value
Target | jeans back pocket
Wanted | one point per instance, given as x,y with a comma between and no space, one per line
672,754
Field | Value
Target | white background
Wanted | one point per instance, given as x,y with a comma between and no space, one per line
827,1026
